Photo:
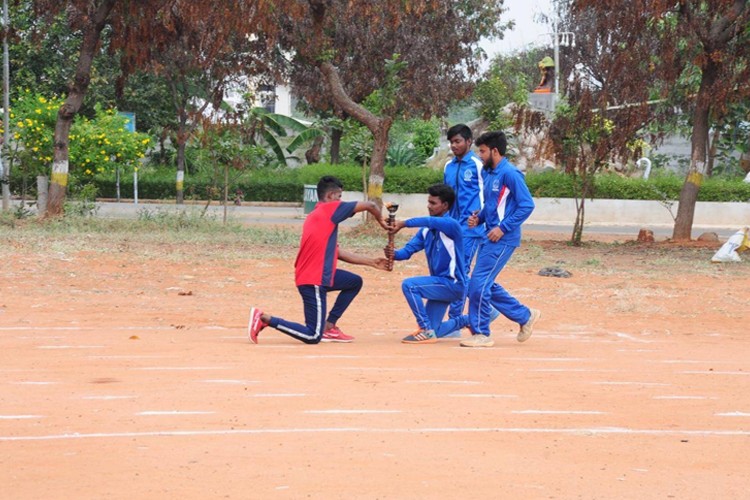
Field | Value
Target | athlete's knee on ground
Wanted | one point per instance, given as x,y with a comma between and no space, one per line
314,340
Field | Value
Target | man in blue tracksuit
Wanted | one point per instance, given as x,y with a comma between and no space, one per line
508,204
464,174
441,238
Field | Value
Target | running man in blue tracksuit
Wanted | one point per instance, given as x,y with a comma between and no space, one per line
508,204
441,238
464,174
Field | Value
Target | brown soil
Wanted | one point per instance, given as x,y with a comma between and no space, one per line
126,373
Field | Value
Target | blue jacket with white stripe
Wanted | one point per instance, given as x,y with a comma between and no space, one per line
465,176
507,202
441,238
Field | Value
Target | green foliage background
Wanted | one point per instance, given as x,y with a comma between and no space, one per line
287,184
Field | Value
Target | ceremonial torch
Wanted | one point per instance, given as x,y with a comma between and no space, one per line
392,207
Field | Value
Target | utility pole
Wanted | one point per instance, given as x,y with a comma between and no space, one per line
564,38
4,163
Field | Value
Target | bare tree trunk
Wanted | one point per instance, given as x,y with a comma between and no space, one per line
336,135
180,182
378,126
587,191
312,155
60,167
683,224
226,192
577,235
715,137
377,163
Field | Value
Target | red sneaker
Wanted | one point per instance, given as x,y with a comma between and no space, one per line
333,334
255,325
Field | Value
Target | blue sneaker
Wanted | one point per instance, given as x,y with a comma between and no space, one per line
420,337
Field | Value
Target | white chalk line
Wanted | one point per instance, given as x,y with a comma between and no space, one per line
278,395
157,368
558,412
19,417
351,412
229,381
490,396
688,361
34,382
130,356
461,382
70,347
733,414
631,383
582,431
173,412
631,338
714,372
574,360
685,397
40,337
576,370
327,356
108,398
378,368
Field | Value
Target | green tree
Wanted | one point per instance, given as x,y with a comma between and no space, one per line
508,80
139,31
345,52
656,45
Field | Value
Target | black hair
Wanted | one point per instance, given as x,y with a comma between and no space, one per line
460,129
328,183
493,140
444,192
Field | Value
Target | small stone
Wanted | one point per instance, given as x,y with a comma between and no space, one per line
709,237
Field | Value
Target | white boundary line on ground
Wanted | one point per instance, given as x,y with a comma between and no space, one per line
278,395
504,396
461,382
172,412
574,370
33,382
19,417
350,412
583,431
714,372
559,412
631,383
71,346
230,381
156,368
684,397
108,397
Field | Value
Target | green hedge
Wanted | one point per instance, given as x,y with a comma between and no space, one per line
287,184
667,187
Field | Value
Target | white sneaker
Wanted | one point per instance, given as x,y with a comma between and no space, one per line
526,330
478,340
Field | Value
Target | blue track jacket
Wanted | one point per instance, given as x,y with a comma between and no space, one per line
442,241
507,201
465,176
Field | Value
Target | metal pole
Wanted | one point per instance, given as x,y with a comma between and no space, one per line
556,45
6,111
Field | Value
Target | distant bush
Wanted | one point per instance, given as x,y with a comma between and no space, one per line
287,184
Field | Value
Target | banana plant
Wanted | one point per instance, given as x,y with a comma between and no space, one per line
269,128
